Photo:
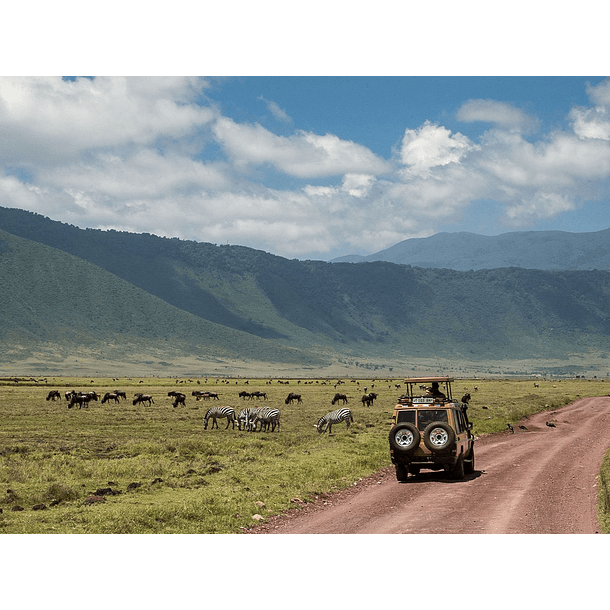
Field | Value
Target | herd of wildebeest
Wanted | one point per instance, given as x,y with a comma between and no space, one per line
249,418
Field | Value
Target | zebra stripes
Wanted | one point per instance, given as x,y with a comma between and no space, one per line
219,413
268,417
249,418
334,417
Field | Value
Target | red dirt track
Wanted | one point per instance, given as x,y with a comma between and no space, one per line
542,480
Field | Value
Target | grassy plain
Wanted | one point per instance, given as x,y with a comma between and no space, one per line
169,475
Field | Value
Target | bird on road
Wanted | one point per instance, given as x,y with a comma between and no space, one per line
550,424
510,428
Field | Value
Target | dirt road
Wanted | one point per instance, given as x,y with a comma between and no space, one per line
542,480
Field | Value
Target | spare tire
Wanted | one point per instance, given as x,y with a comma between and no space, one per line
404,438
439,437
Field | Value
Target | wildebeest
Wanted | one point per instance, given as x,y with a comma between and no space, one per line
200,394
53,394
179,398
80,400
219,413
368,399
108,396
292,396
142,398
339,397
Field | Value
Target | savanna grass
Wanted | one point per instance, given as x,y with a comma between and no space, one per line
169,475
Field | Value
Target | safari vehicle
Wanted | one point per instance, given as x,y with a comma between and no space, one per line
430,430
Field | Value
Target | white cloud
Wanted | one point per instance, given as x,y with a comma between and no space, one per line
500,114
432,146
276,111
131,154
46,120
304,155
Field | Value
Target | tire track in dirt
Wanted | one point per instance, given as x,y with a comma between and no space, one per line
539,481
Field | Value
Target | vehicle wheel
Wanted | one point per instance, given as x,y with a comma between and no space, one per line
458,469
404,438
401,473
469,463
439,437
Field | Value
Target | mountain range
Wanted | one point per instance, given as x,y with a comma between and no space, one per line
546,250
93,300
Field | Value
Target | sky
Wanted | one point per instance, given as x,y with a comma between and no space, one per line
309,167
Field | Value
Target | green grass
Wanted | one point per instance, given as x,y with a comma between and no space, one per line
191,480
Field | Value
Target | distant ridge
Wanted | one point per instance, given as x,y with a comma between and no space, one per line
464,251
70,294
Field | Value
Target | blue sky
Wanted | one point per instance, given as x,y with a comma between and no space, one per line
309,167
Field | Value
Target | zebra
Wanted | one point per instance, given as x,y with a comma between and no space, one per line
245,418
334,417
268,417
219,412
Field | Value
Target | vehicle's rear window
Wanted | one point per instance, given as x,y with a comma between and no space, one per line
406,417
427,416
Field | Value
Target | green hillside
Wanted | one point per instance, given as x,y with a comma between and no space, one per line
58,305
130,297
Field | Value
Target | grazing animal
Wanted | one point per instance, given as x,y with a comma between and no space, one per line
80,400
334,417
551,424
120,394
339,397
219,413
179,399
142,398
108,396
292,396
267,416
368,399
244,418
53,394
257,394
510,428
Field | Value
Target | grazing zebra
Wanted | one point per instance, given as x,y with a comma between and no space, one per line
334,417
267,416
245,418
219,412
339,397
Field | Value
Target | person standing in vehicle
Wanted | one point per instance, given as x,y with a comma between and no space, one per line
434,391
